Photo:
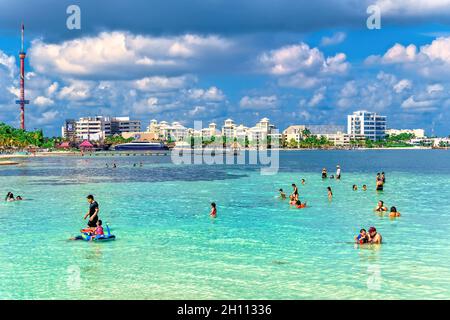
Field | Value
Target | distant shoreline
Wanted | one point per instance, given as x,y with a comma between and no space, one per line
72,153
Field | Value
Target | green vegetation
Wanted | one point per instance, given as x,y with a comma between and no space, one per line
12,138
394,141
116,139
310,141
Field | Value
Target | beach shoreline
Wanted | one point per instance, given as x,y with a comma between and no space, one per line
72,153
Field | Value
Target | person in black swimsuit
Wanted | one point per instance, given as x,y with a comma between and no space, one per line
93,212
295,192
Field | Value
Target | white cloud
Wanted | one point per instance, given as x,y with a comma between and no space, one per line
402,85
336,38
211,94
301,66
419,105
43,101
77,90
124,55
431,60
434,88
160,83
413,8
257,103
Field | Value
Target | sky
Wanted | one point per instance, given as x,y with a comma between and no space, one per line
293,61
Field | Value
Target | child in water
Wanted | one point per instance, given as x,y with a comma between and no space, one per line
213,213
362,237
300,205
282,194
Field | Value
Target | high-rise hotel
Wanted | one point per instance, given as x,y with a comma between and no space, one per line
369,124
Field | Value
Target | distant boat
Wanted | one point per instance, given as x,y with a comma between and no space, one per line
141,146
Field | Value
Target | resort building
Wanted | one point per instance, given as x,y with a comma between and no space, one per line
294,133
99,127
369,124
262,131
418,133
211,131
170,132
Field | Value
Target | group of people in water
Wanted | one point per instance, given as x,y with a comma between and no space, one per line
10,197
95,226
364,237
114,165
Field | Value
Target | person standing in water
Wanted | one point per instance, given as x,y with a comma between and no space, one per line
374,236
338,172
213,213
295,192
324,173
330,193
379,183
93,212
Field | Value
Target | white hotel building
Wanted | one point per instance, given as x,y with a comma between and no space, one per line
99,127
369,124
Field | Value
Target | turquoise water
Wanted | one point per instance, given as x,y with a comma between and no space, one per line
258,248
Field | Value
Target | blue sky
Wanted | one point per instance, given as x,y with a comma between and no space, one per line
295,62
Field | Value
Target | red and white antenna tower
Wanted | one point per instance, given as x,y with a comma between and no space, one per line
22,102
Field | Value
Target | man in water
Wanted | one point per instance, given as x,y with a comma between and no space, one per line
93,212
374,236
338,172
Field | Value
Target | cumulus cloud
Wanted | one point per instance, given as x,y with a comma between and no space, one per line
123,55
418,105
259,103
416,8
336,38
301,66
402,85
430,61
211,94
162,83
43,101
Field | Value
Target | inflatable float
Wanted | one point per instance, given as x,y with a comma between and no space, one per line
86,236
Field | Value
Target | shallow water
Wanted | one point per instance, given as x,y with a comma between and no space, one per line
258,248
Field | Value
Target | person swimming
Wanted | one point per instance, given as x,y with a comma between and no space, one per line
355,187
303,181
394,213
19,198
282,194
9,197
300,205
324,173
364,187
362,237
380,207
213,213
